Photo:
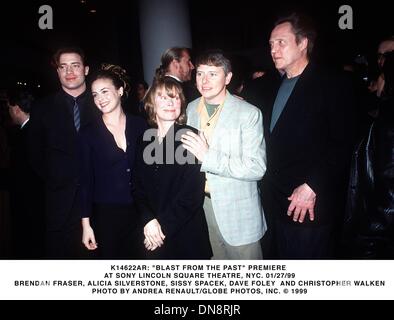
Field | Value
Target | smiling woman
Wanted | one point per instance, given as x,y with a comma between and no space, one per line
107,150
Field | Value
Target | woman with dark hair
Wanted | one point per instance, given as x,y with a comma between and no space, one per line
107,151
168,185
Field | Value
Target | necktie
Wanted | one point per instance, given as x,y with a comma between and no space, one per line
77,118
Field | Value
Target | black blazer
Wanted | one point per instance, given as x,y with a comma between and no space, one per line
53,151
105,169
26,199
174,195
311,143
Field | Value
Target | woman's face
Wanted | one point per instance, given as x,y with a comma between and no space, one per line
106,97
167,108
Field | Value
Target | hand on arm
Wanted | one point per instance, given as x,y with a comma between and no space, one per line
303,200
88,238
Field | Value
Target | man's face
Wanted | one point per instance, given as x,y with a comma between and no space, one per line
71,72
384,47
185,67
285,51
211,82
13,111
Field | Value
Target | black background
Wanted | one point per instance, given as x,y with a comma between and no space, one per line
112,33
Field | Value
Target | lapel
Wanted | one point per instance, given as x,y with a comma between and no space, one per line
60,124
193,116
293,104
88,110
62,115
89,113
225,117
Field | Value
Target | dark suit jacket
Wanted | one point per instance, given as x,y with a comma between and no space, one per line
26,199
310,143
53,152
174,195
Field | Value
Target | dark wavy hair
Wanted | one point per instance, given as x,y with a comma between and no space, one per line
56,56
116,74
171,87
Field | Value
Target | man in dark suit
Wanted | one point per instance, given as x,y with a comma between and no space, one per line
309,140
55,123
25,187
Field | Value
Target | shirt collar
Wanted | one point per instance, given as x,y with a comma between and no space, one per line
80,98
24,123
174,77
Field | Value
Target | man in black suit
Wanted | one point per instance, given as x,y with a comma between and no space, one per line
25,187
55,123
309,140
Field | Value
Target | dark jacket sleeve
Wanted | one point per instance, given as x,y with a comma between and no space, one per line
141,187
335,161
86,180
36,140
384,173
186,203
369,226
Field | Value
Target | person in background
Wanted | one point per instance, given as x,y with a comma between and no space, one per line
141,87
369,223
176,63
385,46
25,187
